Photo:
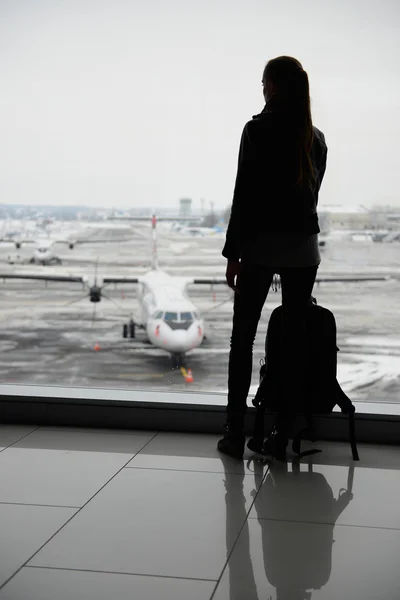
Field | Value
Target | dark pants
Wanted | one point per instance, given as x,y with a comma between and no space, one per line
255,281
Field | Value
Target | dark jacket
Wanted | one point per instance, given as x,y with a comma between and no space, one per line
266,198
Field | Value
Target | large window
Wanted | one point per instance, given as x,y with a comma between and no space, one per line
112,112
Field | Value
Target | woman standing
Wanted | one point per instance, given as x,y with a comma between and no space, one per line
273,228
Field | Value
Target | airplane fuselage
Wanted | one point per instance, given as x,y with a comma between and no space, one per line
43,254
171,320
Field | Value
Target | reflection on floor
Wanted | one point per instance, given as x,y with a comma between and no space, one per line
102,514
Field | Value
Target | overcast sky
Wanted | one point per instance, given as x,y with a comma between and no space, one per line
121,103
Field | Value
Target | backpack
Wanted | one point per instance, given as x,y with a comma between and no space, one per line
307,559
321,390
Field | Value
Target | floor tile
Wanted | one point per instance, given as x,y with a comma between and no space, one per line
371,455
279,560
55,584
84,441
170,523
9,434
319,496
92,430
187,452
24,529
63,468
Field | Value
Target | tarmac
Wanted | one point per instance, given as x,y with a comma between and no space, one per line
48,333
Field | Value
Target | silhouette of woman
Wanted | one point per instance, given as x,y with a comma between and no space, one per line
273,228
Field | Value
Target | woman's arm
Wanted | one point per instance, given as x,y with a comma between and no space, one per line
234,234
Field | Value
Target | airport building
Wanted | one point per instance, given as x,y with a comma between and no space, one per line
386,217
342,217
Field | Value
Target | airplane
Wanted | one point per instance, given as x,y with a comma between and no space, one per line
43,253
167,315
194,229
44,246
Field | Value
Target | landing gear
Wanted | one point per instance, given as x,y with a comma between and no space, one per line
178,361
129,330
132,329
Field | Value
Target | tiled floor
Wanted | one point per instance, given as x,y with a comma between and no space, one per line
118,515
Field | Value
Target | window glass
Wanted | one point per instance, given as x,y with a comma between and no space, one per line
186,316
171,316
93,134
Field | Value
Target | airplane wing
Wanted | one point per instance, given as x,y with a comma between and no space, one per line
327,279
66,278
149,218
64,241
72,242
208,281
276,283
18,240
132,280
352,279
196,281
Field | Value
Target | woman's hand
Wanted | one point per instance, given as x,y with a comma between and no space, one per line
233,270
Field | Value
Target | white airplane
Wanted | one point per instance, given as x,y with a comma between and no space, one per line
202,231
44,252
171,321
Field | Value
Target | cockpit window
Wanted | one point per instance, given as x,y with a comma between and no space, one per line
171,316
158,314
186,316
178,320
196,316
42,249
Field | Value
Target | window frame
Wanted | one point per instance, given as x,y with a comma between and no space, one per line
199,412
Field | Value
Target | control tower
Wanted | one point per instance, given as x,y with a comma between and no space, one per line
185,207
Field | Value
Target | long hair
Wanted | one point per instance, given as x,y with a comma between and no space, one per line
292,97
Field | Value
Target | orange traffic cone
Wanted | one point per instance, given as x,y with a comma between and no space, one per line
97,346
189,376
123,295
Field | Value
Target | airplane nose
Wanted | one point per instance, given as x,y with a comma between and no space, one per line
183,341
175,341
179,341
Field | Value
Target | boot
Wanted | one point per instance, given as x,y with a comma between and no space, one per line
234,439
276,444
